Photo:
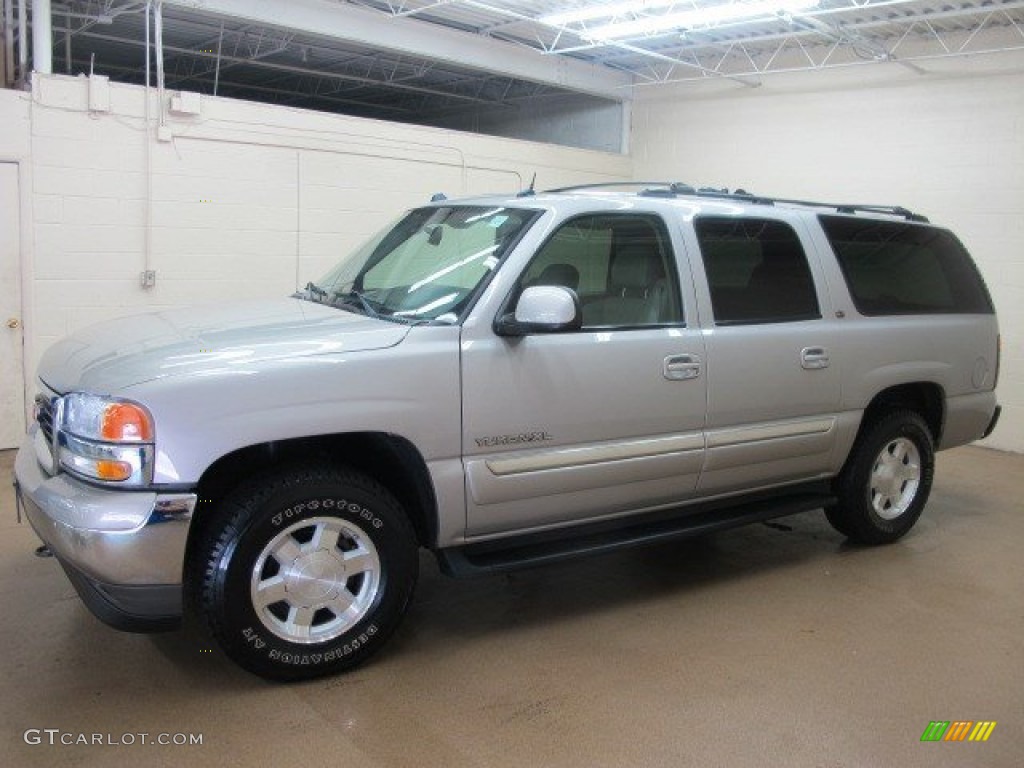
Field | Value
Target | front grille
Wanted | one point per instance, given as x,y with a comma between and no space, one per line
44,415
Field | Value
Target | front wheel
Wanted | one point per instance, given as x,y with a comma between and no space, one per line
307,573
883,488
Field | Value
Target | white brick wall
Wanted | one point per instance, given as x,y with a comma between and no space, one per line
949,144
248,199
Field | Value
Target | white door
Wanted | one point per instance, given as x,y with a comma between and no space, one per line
596,422
12,393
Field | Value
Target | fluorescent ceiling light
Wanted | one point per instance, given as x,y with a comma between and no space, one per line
712,14
650,24
603,11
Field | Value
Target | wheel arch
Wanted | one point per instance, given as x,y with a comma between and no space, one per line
926,398
391,460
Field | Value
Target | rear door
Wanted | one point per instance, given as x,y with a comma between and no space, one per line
773,375
609,419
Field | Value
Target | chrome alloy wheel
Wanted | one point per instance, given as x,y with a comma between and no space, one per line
895,478
315,580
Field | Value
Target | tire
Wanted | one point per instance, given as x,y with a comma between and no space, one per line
307,573
885,483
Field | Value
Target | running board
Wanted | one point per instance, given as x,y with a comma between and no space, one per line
686,522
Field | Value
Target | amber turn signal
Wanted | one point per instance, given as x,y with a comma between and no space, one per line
126,422
113,470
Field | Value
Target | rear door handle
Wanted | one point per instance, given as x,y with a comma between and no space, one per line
680,367
812,358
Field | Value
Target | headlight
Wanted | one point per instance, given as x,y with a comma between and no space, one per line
103,438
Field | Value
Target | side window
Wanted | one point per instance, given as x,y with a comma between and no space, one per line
757,271
897,268
576,256
620,265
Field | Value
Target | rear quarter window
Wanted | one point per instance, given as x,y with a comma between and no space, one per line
897,268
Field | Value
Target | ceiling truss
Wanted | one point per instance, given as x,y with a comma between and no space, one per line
837,33
234,56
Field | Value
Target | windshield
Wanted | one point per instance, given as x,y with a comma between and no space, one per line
427,266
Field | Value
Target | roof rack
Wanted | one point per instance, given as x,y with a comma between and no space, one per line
603,184
677,189
893,210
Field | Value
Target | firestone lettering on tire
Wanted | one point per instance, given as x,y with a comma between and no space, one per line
305,659
342,504
251,636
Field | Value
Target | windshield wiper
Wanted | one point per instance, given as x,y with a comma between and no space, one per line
356,299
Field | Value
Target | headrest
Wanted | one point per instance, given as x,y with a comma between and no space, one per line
636,265
559,274
780,261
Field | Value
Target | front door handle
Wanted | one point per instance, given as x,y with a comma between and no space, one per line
813,358
681,367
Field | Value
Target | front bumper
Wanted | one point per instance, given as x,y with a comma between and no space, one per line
123,551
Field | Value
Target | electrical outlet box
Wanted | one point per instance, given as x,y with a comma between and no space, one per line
99,93
149,278
186,103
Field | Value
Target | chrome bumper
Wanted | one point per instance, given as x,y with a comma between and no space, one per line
124,551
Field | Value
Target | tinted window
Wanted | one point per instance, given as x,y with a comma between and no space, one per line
757,271
620,265
896,268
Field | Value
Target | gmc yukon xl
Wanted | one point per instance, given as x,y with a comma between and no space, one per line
504,381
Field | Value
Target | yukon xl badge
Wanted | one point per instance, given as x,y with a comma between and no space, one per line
522,437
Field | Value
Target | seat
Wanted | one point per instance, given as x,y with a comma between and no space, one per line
559,274
637,290
781,286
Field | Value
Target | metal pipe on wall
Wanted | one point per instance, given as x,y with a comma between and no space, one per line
147,256
42,37
158,32
8,42
149,7
216,72
22,40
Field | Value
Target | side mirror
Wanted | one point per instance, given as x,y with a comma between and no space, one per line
542,309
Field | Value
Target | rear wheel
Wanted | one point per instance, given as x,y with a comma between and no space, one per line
307,573
885,484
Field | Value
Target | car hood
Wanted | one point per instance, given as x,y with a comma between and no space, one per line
120,353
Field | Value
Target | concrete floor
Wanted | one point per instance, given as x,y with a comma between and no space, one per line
773,645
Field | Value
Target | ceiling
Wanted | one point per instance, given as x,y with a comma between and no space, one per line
835,33
211,52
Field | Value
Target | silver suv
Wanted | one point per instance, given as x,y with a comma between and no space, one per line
505,381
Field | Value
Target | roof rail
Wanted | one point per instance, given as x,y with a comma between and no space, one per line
890,210
739,194
894,210
677,189
613,184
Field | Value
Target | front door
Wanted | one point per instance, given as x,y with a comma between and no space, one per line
606,420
